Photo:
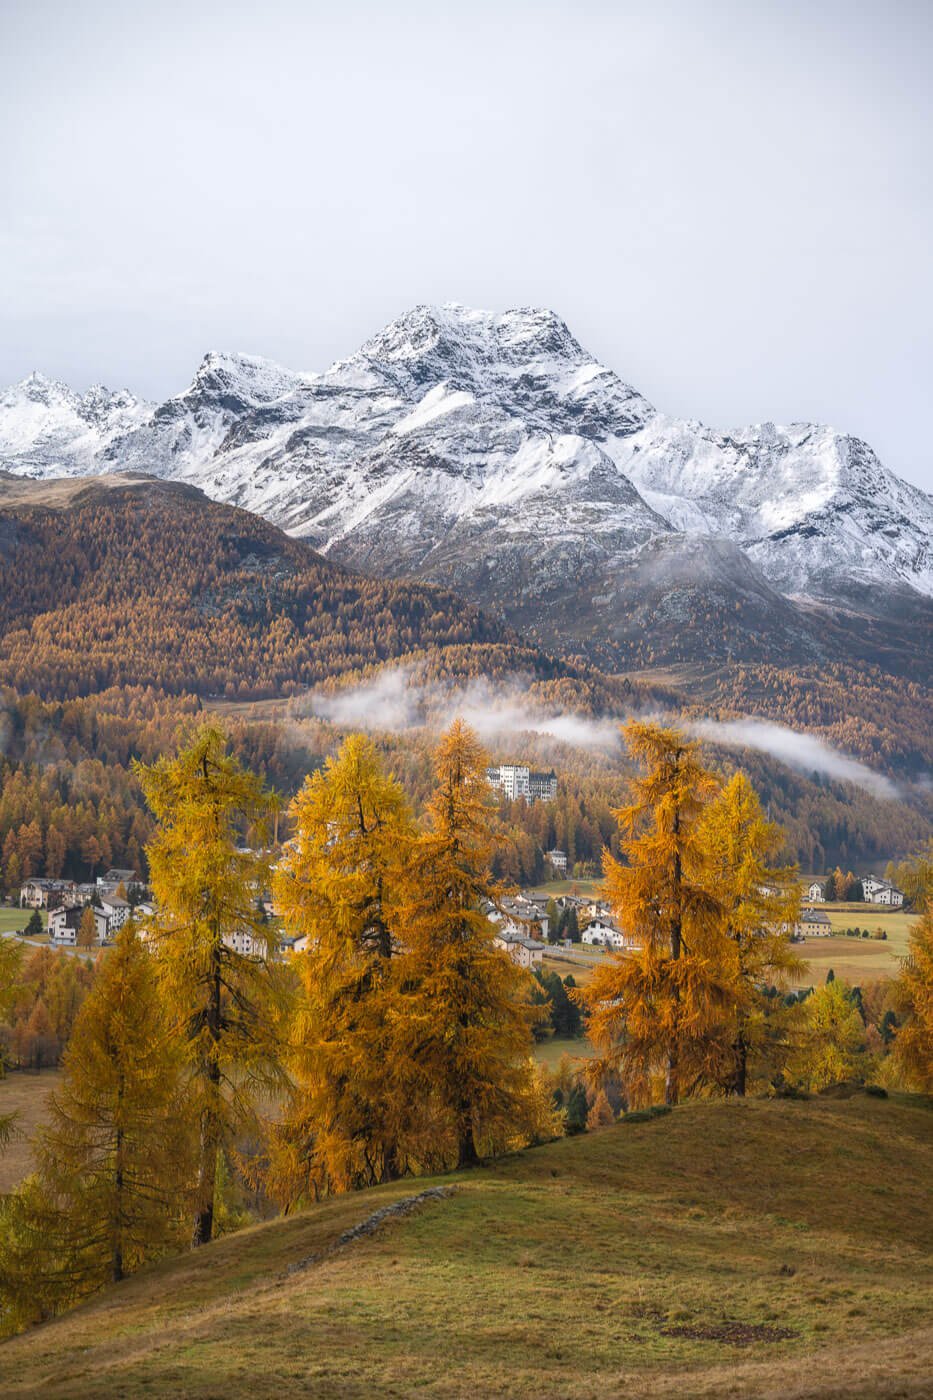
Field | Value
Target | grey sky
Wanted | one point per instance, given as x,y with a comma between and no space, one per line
730,203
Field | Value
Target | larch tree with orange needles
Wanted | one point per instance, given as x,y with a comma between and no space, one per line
464,1025
658,1010
913,992
220,992
760,904
335,889
110,1191
10,963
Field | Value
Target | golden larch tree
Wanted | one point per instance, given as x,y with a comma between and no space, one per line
831,1041
914,877
335,889
465,1017
212,941
659,1008
760,904
10,963
913,999
113,1161
87,929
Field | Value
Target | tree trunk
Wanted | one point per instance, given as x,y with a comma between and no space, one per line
467,1155
116,1262
210,1129
740,1079
207,1175
671,1085
391,1168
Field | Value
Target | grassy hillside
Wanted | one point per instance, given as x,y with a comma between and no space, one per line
760,1249
25,1094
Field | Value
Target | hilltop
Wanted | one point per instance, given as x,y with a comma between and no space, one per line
760,1249
127,580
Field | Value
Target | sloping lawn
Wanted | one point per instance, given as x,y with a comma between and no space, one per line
760,1249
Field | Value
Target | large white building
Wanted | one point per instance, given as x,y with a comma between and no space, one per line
518,780
110,914
881,892
64,925
604,932
48,894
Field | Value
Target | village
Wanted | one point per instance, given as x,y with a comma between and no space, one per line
534,921
528,923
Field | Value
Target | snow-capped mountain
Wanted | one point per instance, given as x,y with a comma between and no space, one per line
492,452
46,429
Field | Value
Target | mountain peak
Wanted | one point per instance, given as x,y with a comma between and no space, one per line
39,388
242,379
485,336
458,437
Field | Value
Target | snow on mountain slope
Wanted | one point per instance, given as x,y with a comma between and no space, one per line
185,434
494,453
811,507
46,429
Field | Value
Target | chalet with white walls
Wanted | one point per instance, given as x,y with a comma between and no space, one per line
605,932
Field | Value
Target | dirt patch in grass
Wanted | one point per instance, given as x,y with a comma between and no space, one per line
734,1334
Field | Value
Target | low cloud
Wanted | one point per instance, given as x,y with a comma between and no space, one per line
388,702
803,751
392,702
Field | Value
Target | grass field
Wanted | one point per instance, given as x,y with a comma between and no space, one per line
584,888
551,1052
777,1249
858,960
25,1095
579,964
12,920
895,922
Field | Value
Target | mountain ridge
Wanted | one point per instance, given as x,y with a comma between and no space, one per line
492,454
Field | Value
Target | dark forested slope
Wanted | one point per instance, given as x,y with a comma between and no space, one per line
130,581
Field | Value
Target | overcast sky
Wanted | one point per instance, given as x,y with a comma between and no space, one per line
729,202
